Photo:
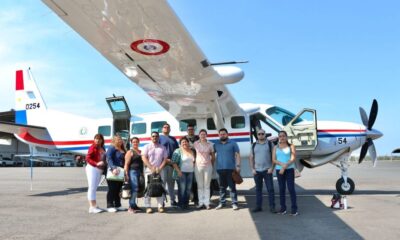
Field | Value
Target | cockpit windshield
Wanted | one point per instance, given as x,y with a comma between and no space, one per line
280,115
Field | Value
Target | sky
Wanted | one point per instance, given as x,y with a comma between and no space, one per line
332,56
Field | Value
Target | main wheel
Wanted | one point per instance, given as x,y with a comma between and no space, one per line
343,188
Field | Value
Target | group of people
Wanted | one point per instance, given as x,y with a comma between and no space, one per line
191,164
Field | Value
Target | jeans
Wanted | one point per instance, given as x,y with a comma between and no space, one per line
169,181
268,180
134,181
225,180
287,178
113,198
184,188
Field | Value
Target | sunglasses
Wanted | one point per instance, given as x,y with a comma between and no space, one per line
260,133
154,136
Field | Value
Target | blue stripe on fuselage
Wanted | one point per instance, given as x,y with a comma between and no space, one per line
329,135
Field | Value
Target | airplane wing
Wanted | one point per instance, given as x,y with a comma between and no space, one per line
146,41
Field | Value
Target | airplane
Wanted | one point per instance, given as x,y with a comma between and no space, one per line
147,42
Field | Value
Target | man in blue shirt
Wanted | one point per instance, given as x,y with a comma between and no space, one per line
228,160
170,143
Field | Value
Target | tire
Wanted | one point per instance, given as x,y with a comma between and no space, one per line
343,189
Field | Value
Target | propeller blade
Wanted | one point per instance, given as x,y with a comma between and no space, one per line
373,114
372,151
363,152
364,117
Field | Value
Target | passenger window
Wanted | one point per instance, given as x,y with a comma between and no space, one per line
211,124
105,131
184,123
138,128
238,122
157,126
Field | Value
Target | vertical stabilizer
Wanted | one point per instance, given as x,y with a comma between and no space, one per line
30,108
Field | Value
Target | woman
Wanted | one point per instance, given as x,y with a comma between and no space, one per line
204,167
283,156
133,169
115,158
183,163
94,170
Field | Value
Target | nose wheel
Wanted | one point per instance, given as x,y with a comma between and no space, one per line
345,188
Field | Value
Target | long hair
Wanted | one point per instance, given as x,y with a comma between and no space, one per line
284,132
114,142
100,137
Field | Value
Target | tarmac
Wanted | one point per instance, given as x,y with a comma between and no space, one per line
57,208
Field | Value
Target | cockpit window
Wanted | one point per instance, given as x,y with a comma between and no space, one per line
280,115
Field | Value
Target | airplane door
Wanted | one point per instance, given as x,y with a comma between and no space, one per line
121,116
302,130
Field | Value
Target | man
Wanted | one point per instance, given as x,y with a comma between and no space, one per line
260,160
170,144
192,139
154,157
190,135
228,160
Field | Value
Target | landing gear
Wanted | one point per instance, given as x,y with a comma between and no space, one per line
345,188
344,185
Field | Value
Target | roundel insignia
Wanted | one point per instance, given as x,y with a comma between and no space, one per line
150,47
83,131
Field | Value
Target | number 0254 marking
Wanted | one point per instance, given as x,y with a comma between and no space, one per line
32,106
341,140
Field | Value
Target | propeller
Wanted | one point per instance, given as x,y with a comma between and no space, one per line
370,133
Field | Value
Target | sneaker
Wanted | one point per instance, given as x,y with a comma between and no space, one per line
294,214
112,209
272,210
121,209
95,210
149,210
161,210
281,212
220,206
257,209
235,207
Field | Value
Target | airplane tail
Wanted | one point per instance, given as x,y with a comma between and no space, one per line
29,104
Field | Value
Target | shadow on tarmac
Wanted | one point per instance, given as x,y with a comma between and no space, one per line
315,219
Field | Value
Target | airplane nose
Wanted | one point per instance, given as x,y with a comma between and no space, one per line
374,134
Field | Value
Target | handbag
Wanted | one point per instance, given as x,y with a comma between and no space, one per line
141,187
126,191
236,177
120,177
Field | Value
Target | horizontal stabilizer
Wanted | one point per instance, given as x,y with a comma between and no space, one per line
14,128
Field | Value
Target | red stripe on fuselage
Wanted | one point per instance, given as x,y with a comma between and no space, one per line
19,80
340,130
29,138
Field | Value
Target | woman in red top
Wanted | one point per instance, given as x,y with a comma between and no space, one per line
94,170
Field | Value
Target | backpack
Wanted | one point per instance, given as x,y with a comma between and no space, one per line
336,201
155,186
